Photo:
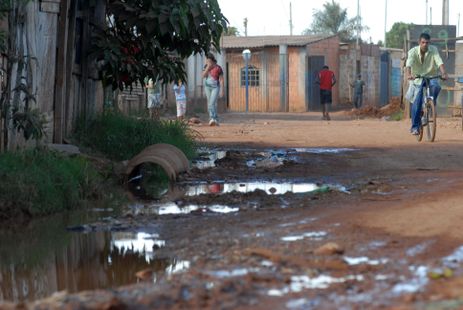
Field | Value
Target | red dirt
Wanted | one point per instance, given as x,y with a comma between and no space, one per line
404,210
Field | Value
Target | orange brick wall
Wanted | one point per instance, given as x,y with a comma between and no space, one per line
297,71
266,97
262,98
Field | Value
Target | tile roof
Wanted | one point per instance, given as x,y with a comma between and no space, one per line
262,41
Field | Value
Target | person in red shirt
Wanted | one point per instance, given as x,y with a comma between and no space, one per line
326,79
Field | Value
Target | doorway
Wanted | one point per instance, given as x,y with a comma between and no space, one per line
315,64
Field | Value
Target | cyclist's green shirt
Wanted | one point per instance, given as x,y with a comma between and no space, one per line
429,66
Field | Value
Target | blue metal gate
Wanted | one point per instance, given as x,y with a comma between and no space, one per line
384,79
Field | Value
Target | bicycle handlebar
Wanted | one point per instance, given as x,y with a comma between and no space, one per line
428,77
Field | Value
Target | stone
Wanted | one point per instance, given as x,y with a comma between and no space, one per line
329,248
194,120
67,149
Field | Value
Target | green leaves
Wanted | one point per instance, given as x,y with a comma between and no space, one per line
165,31
395,37
30,123
334,20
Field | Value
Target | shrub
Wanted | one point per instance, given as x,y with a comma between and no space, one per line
121,137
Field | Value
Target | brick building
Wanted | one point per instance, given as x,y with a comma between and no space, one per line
282,71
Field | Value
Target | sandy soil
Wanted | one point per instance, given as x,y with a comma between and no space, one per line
397,234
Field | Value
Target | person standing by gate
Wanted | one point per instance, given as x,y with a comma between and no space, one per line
326,80
358,91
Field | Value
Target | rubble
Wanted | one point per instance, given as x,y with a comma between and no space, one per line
392,107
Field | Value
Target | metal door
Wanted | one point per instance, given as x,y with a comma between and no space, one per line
315,64
384,79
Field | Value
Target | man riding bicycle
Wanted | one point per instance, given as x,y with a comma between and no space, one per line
422,60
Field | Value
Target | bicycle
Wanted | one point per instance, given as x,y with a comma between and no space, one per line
428,113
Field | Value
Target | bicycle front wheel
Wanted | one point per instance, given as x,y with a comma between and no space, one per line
419,136
432,121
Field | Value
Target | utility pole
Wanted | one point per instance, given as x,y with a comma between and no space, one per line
358,22
385,23
357,42
290,19
245,22
445,12
430,15
427,12
458,29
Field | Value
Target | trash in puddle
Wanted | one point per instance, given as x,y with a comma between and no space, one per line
315,235
208,158
364,260
299,283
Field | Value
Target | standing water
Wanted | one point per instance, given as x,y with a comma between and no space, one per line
44,258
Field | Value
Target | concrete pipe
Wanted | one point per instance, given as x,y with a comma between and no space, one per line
170,158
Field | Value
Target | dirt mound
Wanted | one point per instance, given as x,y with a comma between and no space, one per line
374,111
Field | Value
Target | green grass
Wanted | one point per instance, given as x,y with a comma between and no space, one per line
397,116
121,137
38,182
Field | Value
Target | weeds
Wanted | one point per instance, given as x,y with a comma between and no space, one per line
37,182
121,137
397,116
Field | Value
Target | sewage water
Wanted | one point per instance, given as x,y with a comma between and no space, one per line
44,258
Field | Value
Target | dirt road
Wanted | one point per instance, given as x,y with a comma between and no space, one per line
385,231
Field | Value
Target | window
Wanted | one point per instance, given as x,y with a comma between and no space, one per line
253,76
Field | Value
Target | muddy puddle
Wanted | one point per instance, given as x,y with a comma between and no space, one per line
270,188
48,256
270,158
143,186
45,258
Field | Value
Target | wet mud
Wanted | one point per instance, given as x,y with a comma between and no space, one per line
264,228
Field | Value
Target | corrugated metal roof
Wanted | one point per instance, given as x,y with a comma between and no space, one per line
263,41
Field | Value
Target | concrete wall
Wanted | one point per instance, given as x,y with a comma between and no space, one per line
370,69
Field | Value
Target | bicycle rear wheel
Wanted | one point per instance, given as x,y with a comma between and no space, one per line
432,121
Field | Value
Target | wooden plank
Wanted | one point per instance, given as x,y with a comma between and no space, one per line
60,86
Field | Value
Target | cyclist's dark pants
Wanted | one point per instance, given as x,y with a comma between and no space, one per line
418,103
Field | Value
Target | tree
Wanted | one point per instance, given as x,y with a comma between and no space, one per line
395,36
232,31
150,39
333,20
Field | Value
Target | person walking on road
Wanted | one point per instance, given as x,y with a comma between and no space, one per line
326,80
213,85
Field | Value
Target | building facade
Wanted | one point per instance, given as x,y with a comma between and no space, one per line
281,72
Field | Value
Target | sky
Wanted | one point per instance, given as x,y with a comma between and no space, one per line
271,17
